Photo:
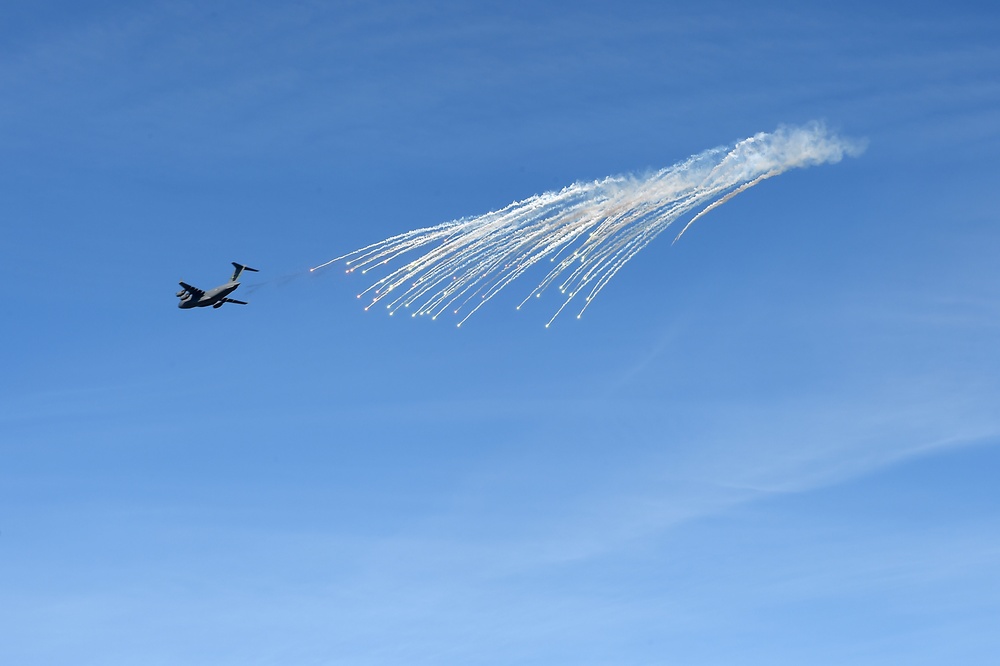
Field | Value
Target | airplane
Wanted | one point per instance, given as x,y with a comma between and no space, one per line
193,297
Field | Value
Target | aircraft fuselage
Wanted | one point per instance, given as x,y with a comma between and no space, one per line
193,297
211,297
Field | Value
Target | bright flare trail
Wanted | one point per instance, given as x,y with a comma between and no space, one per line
587,231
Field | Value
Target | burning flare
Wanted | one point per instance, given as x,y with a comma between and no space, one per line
588,231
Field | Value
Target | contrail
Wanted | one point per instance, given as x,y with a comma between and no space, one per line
588,231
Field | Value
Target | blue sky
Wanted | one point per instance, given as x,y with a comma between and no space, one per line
774,442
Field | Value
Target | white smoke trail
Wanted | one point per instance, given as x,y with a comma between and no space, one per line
589,231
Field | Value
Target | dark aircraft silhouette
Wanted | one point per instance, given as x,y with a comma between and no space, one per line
193,297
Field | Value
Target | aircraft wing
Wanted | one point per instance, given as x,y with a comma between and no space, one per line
195,291
233,300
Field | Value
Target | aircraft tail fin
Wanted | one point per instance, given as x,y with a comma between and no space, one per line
239,269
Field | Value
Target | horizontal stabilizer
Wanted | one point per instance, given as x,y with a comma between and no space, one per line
239,268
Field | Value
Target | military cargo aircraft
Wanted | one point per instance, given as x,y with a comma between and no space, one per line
193,297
